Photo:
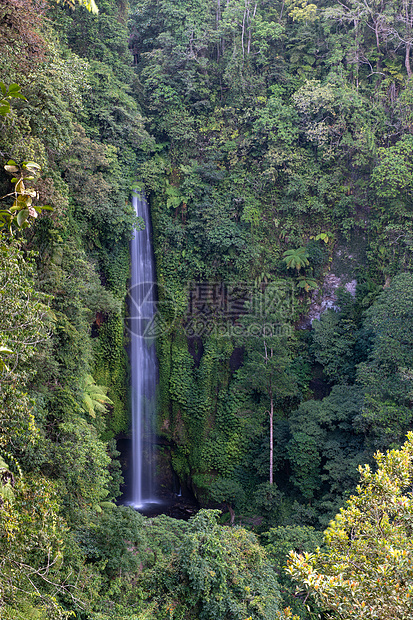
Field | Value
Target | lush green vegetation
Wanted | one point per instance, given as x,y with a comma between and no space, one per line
282,139
273,140
365,571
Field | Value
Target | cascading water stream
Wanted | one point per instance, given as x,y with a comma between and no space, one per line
142,310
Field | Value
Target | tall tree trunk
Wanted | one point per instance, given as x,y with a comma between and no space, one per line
218,19
407,60
250,29
376,30
243,33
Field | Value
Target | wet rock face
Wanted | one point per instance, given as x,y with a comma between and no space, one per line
163,466
326,298
348,255
351,287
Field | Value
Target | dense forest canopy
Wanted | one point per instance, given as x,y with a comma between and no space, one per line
273,141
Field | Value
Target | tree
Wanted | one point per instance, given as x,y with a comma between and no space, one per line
324,449
393,175
295,259
367,570
267,365
25,315
95,397
17,216
195,570
334,340
369,15
387,373
7,93
400,28
226,572
229,492
90,5
34,580
278,543
390,21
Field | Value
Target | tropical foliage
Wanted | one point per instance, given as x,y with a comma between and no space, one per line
365,570
273,142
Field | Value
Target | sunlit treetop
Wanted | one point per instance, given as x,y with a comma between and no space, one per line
90,5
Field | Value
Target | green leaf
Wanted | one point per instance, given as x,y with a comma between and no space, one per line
4,108
31,165
11,168
22,216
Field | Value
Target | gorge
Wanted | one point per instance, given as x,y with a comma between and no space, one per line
274,355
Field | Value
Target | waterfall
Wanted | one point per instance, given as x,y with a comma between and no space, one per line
142,310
